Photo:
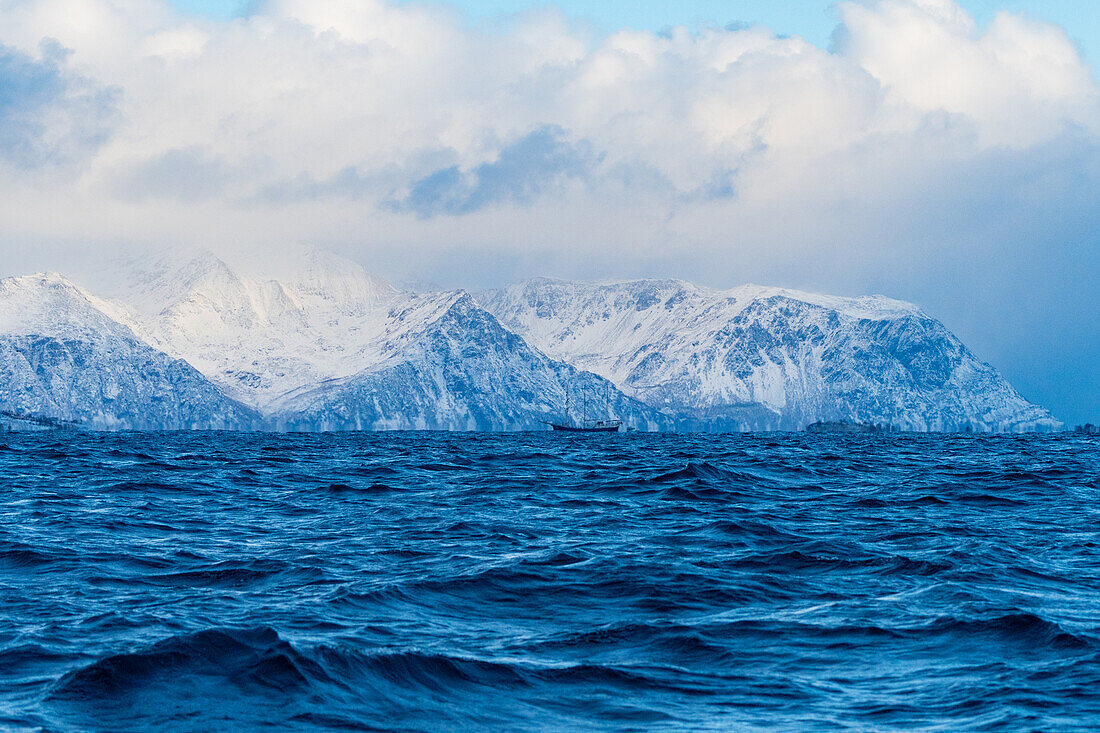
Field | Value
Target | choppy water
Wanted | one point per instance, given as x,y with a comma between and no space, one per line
631,582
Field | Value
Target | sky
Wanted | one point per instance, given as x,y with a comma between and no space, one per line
942,153
814,20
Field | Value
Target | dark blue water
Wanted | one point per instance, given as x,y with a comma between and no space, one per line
631,582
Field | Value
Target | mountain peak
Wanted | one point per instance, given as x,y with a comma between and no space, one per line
345,283
40,280
871,307
648,292
765,357
50,304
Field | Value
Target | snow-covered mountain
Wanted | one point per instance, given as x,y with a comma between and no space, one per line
190,342
766,358
63,355
459,371
334,347
260,338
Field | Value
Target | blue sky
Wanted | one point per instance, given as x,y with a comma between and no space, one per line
812,19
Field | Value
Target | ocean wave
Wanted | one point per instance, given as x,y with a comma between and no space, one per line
705,472
414,582
1019,626
15,555
259,662
242,657
373,489
238,574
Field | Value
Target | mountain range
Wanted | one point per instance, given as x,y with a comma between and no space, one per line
758,358
192,343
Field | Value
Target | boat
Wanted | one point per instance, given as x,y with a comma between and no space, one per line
847,427
589,426
585,424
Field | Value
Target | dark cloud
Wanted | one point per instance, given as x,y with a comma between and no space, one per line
188,174
525,169
348,183
48,115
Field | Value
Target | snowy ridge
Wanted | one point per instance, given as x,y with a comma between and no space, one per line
259,339
190,341
462,371
766,358
611,328
62,355
49,304
334,348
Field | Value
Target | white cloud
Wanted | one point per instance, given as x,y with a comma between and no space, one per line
396,92
1019,81
401,135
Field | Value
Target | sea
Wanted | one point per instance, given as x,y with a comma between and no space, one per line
530,582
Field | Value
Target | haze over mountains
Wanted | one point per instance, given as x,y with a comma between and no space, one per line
193,343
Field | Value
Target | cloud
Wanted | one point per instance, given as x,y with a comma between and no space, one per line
1017,80
49,115
187,174
922,154
540,160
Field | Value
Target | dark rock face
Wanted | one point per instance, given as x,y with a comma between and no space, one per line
64,357
463,372
767,359
114,385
